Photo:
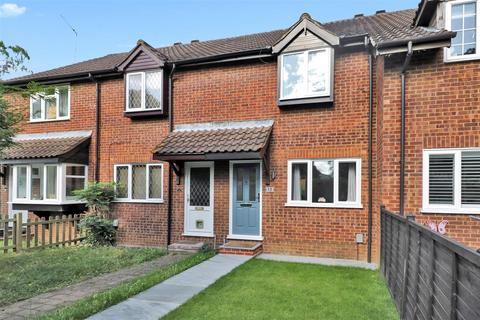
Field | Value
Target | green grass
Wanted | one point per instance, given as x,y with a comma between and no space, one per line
100,301
277,290
33,272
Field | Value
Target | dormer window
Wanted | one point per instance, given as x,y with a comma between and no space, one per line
144,91
49,107
305,74
462,17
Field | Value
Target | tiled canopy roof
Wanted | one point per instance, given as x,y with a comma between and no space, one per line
215,140
382,27
43,148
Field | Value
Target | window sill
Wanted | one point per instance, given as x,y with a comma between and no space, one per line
328,100
465,211
321,205
49,120
138,201
144,113
462,59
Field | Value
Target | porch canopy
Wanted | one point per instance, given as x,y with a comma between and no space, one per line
240,140
55,147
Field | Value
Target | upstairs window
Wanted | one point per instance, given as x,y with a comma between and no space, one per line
451,181
47,107
144,91
305,74
462,18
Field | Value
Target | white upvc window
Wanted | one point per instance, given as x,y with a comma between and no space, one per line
144,91
51,107
324,183
462,16
451,181
47,183
139,182
306,74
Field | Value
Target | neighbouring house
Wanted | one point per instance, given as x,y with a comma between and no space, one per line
286,141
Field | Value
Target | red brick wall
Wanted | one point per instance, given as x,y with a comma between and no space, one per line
441,112
248,92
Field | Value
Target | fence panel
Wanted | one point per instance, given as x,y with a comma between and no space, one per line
16,235
429,276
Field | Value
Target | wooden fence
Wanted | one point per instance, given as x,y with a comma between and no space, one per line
16,235
429,275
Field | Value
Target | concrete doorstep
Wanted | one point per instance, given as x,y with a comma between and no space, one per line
173,292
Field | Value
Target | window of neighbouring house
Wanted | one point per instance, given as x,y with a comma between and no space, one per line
324,182
305,74
41,182
139,182
462,18
451,181
144,91
55,106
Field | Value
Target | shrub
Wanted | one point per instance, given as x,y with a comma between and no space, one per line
98,196
98,231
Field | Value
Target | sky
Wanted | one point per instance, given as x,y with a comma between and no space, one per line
44,27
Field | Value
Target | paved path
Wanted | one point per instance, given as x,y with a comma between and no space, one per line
52,300
168,295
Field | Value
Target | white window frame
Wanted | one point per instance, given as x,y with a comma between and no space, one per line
336,203
60,197
457,207
147,182
143,84
448,26
328,90
84,176
42,98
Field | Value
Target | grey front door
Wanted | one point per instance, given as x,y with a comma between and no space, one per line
246,199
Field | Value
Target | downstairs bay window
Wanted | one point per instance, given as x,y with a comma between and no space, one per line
139,182
451,181
324,183
47,183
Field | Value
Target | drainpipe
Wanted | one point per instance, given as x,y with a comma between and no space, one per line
170,171
97,126
402,128
370,142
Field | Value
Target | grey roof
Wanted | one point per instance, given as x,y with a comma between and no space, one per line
383,28
43,148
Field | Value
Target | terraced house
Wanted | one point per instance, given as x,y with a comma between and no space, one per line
286,141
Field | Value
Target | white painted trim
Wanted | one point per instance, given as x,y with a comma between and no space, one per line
326,93
336,203
448,25
230,202
457,207
142,90
188,166
224,125
42,105
52,135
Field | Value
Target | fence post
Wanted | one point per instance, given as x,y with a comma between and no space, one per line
405,270
19,226
5,233
453,303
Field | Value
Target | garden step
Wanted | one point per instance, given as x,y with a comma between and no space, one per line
239,247
185,246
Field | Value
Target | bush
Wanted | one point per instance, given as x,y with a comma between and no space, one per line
98,231
98,196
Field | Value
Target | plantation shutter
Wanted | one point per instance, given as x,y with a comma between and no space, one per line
471,178
441,179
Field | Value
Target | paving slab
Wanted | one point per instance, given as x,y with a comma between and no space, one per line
322,261
172,293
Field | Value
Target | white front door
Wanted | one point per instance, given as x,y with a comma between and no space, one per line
199,198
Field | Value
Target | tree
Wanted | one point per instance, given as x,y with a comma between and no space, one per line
12,58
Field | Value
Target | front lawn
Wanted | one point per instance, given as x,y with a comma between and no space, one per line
279,290
33,272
